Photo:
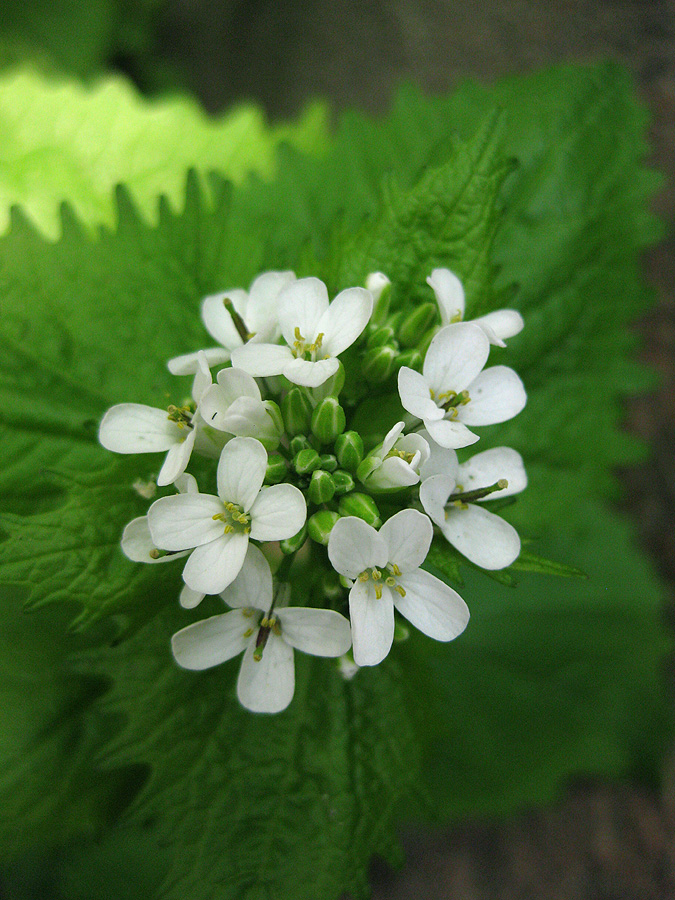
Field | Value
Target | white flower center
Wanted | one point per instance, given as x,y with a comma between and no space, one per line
450,400
181,415
303,350
387,576
234,518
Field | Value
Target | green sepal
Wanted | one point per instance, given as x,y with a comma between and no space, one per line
362,506
277,469
297,411
298,443
328,462
413,359
381,336
328,420
320,525
273,411
321,487
306,461
331,386
349,450
415,325
369,464
379,363
343,482
294,543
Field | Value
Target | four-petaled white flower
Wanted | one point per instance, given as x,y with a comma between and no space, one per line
498,325
136,428
219,527
265,633
385,569
451,494
235,405
396,462
316,333
454,391
233,317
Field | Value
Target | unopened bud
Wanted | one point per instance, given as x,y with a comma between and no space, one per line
383,335
349,450
362,506
343,482
320,525
298,443
306,461
410,358
328,420
276,468
415,325
328,462
379,363
321,488
297,411
380,287
292,544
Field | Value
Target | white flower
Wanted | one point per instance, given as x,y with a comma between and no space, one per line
136,428
235,405
266,636
454,391
384,567
315,332
450,499
219,527
498,325
396,462
234,317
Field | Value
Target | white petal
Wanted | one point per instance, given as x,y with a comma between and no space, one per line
137,543
262,359
236,383
262,312
450,433
310,374
449,294
393,474
434,493
135,428
202,378
253,585
416,395
354,546
344,320
441,460
484,538
184,520
211,641
431,606
408,537
189,599
186,484
502,324
268,685
486,468
188,363
390,439
177,459
455,356
247,417
321,632
497,394
213,566
218,320
241,471
301,306
279,512
372,623
376,282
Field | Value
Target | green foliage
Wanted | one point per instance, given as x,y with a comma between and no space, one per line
247,806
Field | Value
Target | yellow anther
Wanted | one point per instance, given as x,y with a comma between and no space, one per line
229,529
363,577
395,569
399,590
432,394
248,632
154,554
317,343
502,484
276,628
298,336
377,574
452,412
218,517
456,318
390,582
247,612
378,591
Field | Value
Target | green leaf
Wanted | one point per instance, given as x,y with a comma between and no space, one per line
532,562
64,141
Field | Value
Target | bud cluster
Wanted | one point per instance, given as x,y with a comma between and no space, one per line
293,473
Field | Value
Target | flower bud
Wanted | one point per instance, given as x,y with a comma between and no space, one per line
380,336
380,287
328,420
292,544
331,387
362,506
411,358
321,487
416,324
297,411
378,364
328,462
306,461
276,468
298,443
343,482
270,439
320,525
349,450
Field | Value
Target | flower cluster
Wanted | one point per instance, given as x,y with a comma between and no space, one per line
294,490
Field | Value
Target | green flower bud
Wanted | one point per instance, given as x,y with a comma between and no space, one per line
297,411
343,482
417,323
276,468
320,525
349,450
362,506
328,420
298,443
380,287
378,364
380,336
321,487
306,461
410,358
292,544
271,441
331,387
328,462
401,632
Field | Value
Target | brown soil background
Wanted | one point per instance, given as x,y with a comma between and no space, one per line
603,841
